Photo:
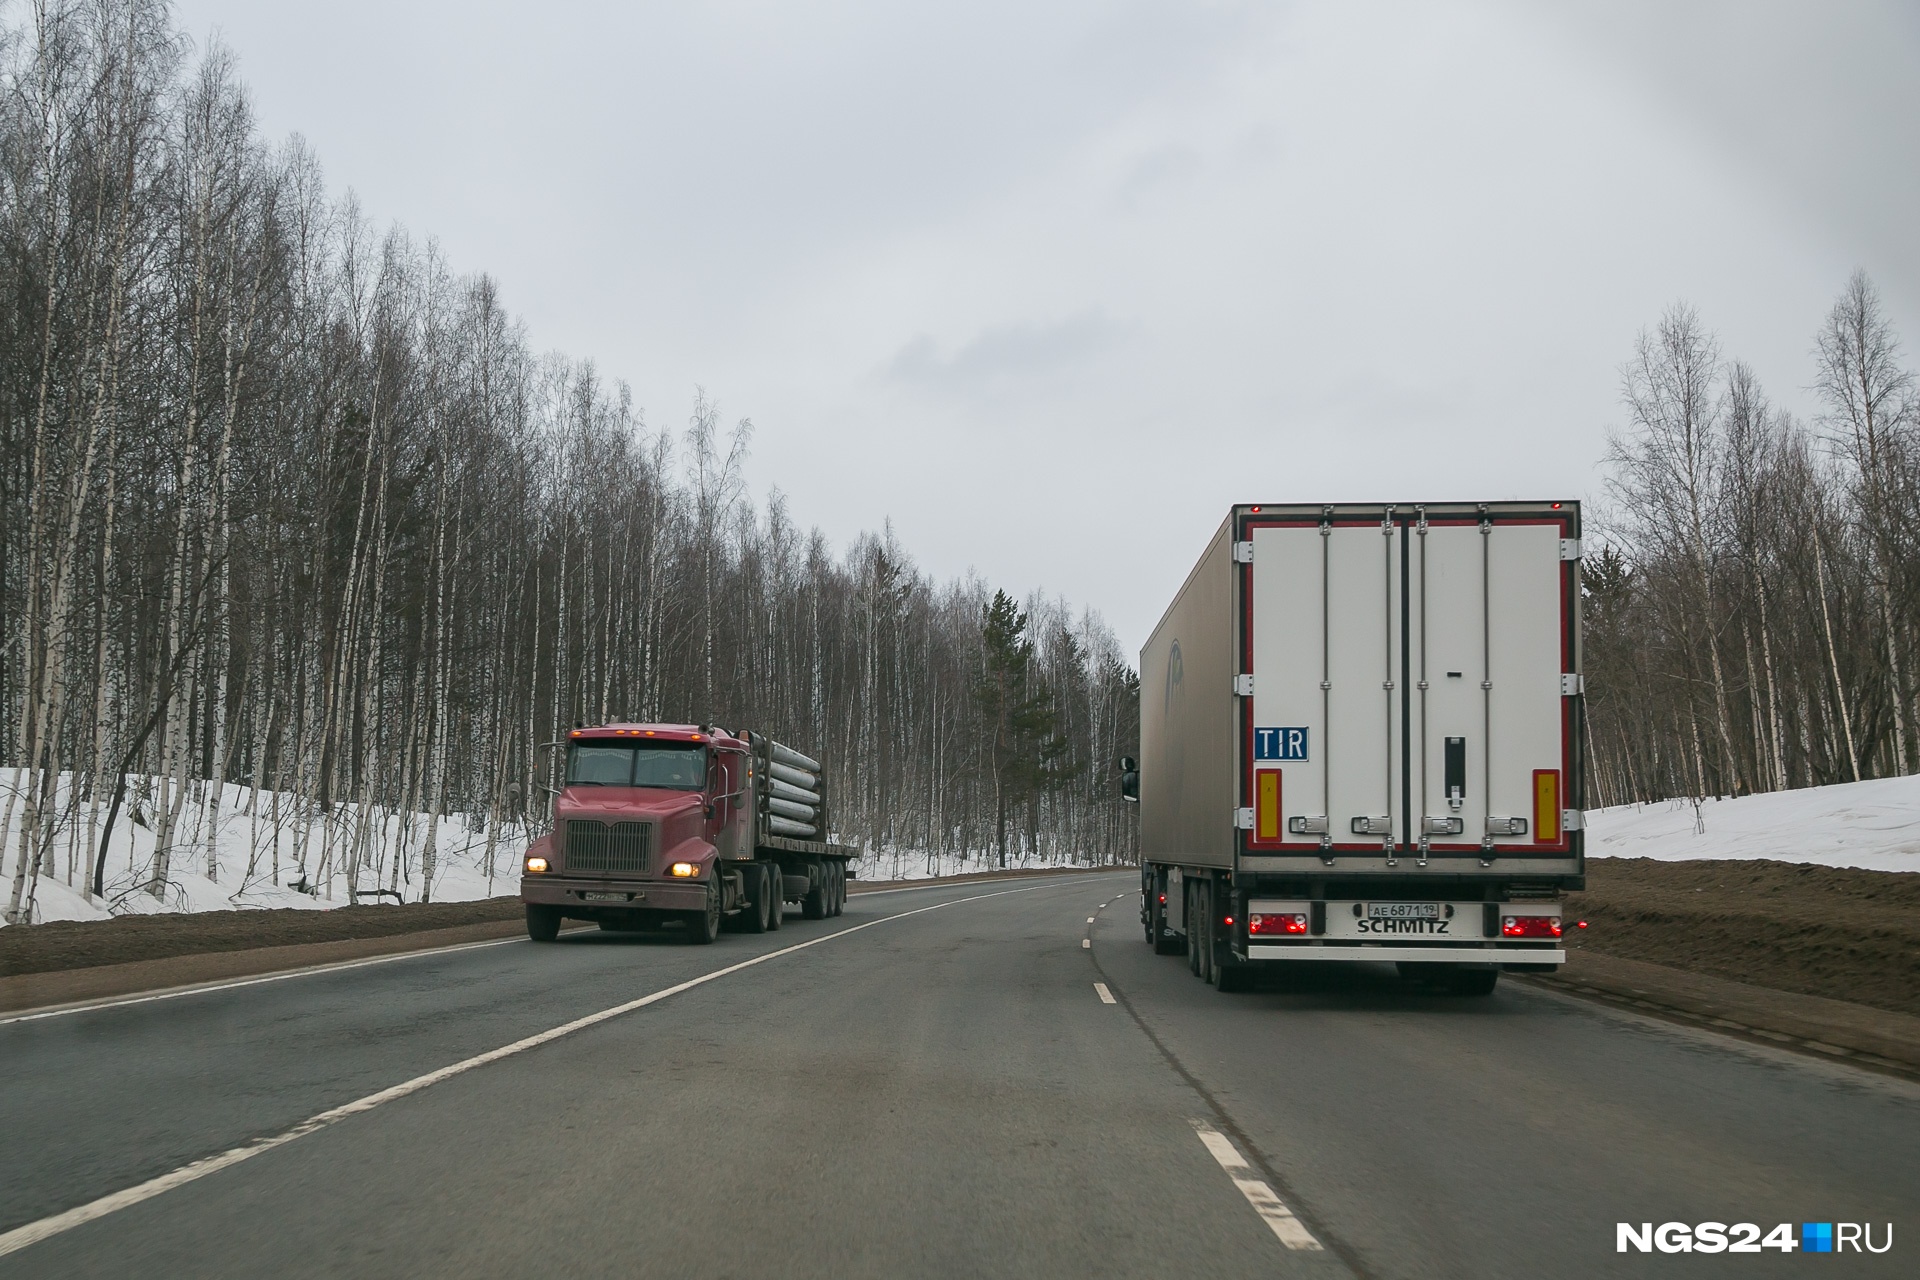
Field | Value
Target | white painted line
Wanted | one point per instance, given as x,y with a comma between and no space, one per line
174,993
1089,919
33,1232
1290,1231
1106,996
1086,943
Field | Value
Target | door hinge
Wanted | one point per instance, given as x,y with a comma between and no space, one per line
1569,548
1243,819
1243,552
1243,686
1572,684
1572,820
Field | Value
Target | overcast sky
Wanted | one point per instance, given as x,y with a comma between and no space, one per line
1051,285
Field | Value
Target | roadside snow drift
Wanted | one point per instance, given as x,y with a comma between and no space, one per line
1874,825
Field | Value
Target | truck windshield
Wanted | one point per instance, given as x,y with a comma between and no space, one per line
676,765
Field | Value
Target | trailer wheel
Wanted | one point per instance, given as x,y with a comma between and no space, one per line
1473,982
1195,926
814,905
1208,930
704,926
839,887
543,922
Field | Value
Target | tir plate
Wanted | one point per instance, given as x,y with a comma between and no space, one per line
603,897
1403,911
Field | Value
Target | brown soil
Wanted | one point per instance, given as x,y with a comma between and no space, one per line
1822,931
82,944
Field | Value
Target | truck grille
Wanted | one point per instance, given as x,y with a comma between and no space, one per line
594,846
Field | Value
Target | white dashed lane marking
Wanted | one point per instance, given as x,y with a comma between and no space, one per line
1086,944
1290,1231
1106,996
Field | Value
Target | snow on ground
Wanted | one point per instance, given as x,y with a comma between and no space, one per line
917,864
245,847
1874,825
249,836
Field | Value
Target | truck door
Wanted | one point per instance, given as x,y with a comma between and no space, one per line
1407,683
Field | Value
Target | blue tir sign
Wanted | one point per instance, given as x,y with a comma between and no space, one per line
1279,744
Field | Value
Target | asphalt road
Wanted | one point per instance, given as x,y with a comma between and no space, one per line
944,1093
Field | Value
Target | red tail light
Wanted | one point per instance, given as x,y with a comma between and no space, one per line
1530,926
1282,922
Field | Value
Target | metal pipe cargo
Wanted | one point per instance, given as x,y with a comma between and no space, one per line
788,827
788,809
788,756
796,777
787,791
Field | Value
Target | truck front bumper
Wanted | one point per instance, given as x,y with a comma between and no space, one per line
649,895
1410,955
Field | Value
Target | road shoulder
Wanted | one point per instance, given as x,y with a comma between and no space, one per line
1835,1029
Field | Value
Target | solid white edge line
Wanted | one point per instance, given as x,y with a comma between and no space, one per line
33,1232
203,988
1106,996
1289,1230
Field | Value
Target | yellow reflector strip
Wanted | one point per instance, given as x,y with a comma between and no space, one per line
1266,804
1546,806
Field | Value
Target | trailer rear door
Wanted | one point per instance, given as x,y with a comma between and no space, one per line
1413,681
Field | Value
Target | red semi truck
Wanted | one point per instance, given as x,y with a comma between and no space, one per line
661,825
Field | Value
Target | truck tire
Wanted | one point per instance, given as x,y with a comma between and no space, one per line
776,898
543,922
1473,982
814,905
1208,932
1190,900
754,918
839,887
704,926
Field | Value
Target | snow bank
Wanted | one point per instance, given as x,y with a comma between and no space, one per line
1873,825
248,838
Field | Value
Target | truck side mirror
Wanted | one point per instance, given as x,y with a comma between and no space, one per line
1129,780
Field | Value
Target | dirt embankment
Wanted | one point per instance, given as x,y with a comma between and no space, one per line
84,944
1823,931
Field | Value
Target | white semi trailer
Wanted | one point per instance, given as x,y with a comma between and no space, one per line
1361,741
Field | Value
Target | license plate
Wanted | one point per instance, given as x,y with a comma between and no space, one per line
1403,911
604,897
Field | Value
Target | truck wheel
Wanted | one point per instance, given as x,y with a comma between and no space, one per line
1190,899
754,918
776,898
814,905
1231,974
543,923
1473,982
839,887
1205,937
704,926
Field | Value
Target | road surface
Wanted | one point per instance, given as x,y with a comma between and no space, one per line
968,1080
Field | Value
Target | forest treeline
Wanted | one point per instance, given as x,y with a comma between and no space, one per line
287,502
1753,608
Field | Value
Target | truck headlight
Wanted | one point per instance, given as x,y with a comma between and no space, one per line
683,870
536,865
